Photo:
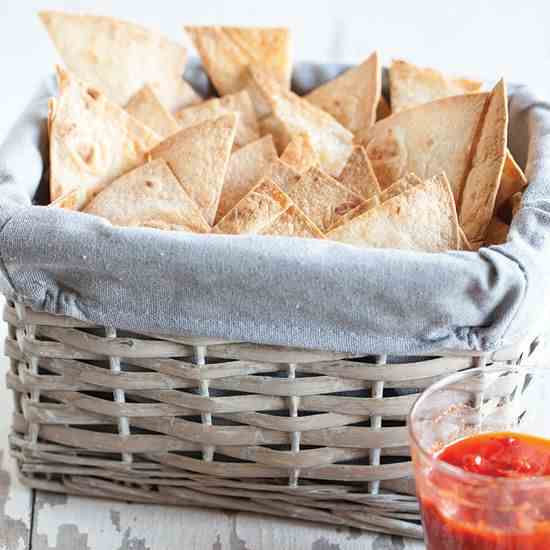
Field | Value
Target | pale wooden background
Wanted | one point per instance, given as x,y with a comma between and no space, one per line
478,38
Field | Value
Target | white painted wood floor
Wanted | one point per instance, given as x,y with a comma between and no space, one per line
45,521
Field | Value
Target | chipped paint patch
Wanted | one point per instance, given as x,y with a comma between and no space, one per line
324,544
123,526
115,519
384,542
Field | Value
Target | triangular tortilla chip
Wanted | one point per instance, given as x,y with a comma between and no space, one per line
352,98
92,140
411,85
118,57
270,125
299,153
464,242
516,201
358,175
248,129
245,169
227,51
322,199
282,174
146,107
256,210
480,190
426,140
292,223
150,193
330,140
497,232
383,109
393,190
198,157
512,181
421,218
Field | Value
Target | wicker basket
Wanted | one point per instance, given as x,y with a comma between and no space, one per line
196,421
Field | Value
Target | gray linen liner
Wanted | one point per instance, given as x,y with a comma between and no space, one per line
277,290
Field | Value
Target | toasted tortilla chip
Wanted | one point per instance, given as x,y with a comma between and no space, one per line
270,125
512,181
255,211
282,174
118,57
358,175
146,107
383,110
330,140
78,198
397,187
227,51
245,169
165,226
352,98
464,242
421,218
149,193
92,140
293,223
516,201
299,153
428,139
411,85
198,156
497,232
248,129
322,199
393,190
480,190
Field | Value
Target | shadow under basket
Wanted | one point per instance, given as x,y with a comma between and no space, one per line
177,420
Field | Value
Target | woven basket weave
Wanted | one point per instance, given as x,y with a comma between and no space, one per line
196,421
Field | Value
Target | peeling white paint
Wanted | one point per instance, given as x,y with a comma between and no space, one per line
134,526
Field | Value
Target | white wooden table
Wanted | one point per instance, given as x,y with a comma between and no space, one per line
47,521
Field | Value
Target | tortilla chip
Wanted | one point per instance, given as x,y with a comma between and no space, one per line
198,156
282,174
164,226
497,232
245,169
393,190
512,181
421,218
352,98
299,153
92,140
331,141
248,129
150,193
358,175
322,199
118,57
78,198
480,190
399,186
463,240
292,223
227,51
411,85
270,125
516,201
383,109
146,107
426,140
255,211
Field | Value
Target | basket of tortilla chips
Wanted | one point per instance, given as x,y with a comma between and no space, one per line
228,289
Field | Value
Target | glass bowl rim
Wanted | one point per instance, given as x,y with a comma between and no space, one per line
455,471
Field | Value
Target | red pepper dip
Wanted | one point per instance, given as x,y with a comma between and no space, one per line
506,509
